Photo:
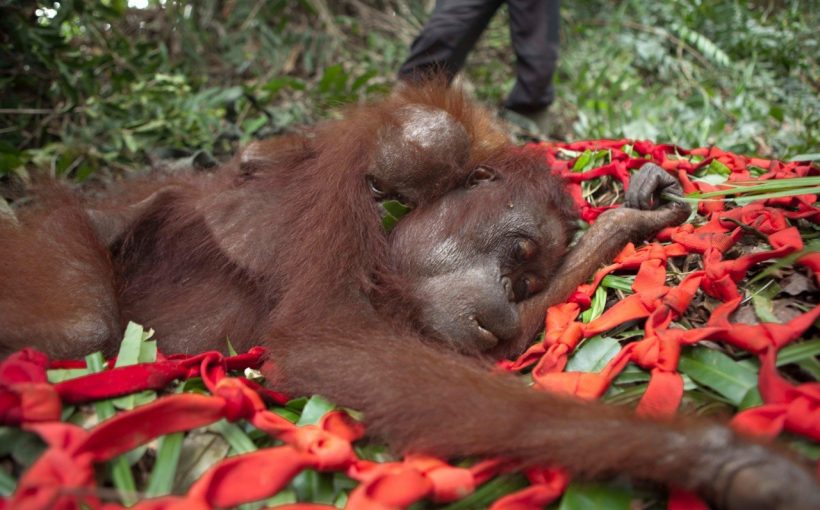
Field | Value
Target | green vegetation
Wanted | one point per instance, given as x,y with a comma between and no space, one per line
740,75
91,88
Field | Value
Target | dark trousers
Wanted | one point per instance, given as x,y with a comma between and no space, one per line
455,26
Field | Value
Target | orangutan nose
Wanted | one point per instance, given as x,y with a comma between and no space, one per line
496,325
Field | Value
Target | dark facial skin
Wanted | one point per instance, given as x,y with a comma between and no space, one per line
469,278
485,261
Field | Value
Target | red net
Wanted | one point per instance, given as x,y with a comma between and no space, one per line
64,475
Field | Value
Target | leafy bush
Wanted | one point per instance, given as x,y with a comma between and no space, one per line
741,75
90,86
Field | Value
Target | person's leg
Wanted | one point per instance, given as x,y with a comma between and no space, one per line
534,29
447,38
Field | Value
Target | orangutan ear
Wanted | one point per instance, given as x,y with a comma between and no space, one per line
110,226
480,175
285,150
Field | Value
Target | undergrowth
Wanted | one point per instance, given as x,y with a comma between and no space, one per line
98,88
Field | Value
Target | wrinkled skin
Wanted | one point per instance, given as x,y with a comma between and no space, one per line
484,286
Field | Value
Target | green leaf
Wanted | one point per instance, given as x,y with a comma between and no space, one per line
622,283
719,372
221,97
780,194
10,158
341,500
583,496
485,495
148,348
234,435
583,161
27,448
774,184
151,125
253,124
631,374
810,366
8,438
95,362
794,353
630,151
286,414
284,82
161,482
333,81
762,296
83,172
593,354
629,333
315,487
57,375
716,167
7,483
129,352
713,179
756,171
120,470
805,447
752,398
129,141
284,497
135,348
617,396
118,6
812,156
231,349
123,480
704,45
316,407
596,307
393,210
796,186
363,79
297,404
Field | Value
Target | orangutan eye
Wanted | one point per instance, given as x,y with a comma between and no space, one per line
525,250
376,187
527,286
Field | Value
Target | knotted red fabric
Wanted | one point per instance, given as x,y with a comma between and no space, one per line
64,477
